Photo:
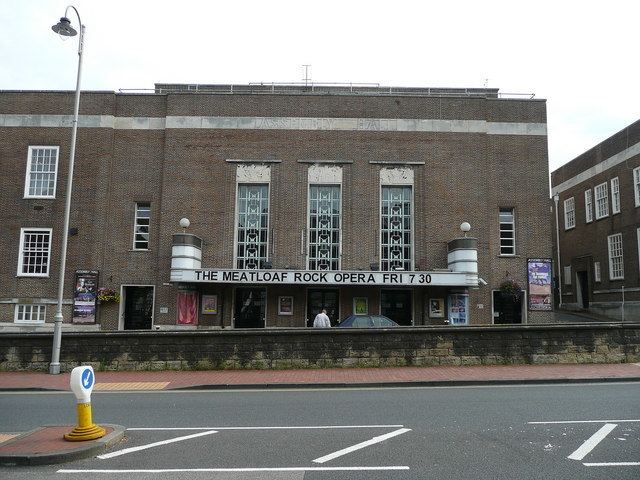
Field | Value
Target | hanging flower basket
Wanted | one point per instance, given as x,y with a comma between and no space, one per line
108,295
511,288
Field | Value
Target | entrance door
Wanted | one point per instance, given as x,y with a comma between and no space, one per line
396,304
507,308
250,307
138,308
583,289
320,298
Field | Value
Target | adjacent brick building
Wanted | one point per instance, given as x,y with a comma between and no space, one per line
349,199
597,198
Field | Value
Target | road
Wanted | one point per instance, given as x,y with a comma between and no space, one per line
477,433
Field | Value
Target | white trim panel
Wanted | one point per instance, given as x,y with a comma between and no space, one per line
278,123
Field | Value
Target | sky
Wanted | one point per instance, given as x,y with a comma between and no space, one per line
581,56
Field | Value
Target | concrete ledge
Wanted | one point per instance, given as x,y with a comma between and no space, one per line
45,446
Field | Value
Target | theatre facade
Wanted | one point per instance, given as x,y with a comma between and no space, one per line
252,206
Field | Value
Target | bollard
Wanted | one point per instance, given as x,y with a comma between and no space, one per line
82,382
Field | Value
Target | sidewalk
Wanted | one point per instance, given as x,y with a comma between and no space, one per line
437,375
45,445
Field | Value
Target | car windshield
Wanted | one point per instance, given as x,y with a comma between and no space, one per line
367,321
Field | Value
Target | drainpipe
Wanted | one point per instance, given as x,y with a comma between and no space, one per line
556,199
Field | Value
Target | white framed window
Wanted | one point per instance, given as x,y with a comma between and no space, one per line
35,252
597,275
616,261
141,226
506,219
324,227
569,213
567,275
252,227
588,206
636,185
396,228
42,172
602,201
30,313
615,196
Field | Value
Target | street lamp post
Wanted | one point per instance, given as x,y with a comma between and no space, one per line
64,28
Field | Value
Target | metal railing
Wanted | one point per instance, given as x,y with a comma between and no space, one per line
318,88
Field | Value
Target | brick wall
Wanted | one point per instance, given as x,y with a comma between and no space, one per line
309,348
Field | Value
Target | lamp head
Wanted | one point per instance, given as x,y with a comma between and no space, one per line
64,28
465,227
184,223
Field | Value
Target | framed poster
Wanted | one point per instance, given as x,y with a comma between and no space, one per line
459,309
539,279
210,304
85,296
436,307
285,305
187,308
360,305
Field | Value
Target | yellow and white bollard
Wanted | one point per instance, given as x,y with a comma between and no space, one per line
82,382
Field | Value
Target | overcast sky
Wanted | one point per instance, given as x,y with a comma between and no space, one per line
582,56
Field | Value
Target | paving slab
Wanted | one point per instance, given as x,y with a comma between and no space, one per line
436,375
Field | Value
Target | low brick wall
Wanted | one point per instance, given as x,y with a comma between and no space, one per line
297,348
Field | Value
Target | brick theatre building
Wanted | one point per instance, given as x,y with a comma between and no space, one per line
209,206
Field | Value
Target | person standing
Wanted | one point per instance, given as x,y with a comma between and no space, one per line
322,320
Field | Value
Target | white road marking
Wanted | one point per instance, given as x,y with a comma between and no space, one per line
250,469
613,464
374,440
592,442
155,444
302,427
582,421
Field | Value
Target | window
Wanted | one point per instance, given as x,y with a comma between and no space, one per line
42,169
636,185
506,219
252,226
597,276
588,205
141,226
35,251
30,313
615,196
395,228
569,213
324,227
616,265
567,275
602,201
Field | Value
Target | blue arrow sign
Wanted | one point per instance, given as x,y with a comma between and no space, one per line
87,378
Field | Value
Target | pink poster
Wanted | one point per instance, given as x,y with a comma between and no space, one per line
188,308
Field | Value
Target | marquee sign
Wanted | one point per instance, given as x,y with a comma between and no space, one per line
305,277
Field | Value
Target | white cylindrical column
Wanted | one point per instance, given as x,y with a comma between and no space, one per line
463,255
186,252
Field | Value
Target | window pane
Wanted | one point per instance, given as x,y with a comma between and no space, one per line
324,227
141,226
507,231
396,223
252,228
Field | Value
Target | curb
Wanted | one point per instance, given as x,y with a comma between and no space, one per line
419,383
89,449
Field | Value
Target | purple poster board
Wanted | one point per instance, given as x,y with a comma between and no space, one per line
539,274
85,295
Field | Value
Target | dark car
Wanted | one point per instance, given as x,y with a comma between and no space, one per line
367,321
